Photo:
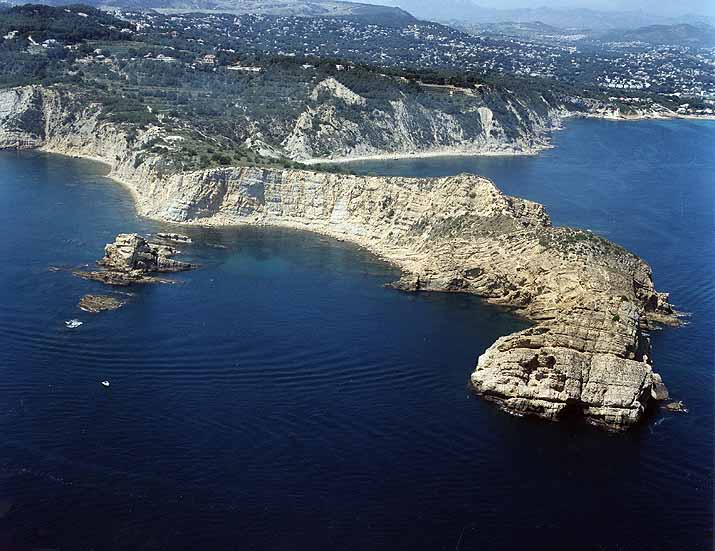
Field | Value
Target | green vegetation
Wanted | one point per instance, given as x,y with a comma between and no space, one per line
571,240
73,23
215,95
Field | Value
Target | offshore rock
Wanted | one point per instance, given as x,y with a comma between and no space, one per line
99,303
132,259
130,252
659,391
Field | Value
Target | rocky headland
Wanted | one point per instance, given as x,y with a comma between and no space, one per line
591,302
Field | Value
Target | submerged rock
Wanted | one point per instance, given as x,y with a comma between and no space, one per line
121,279
178,237
675,407
100,303
6,505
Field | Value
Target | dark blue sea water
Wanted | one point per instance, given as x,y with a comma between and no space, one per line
281,398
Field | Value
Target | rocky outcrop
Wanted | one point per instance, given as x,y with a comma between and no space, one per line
585,362
599,109
131,259
590,301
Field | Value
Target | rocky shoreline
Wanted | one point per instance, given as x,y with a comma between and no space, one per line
591,302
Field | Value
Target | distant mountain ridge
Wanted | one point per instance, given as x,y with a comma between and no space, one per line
308,8
469,11
698,35
701,36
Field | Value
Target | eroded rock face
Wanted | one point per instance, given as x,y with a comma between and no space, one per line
335,122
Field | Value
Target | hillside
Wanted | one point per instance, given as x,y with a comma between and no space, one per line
221,102
218,107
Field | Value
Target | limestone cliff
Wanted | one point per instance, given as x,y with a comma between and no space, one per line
591,301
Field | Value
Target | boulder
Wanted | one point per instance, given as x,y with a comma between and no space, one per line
658,390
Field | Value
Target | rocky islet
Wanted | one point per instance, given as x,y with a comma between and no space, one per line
132,259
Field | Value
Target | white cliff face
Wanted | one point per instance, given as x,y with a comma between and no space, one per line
333,88
17,106
487,117
338,123
590,300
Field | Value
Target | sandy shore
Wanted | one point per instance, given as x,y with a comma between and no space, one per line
427,155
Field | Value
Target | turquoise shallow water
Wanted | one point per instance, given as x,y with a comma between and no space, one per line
281,397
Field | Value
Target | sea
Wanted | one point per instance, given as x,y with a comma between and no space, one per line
281,397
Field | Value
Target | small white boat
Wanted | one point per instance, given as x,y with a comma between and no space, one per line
73,324
105,383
